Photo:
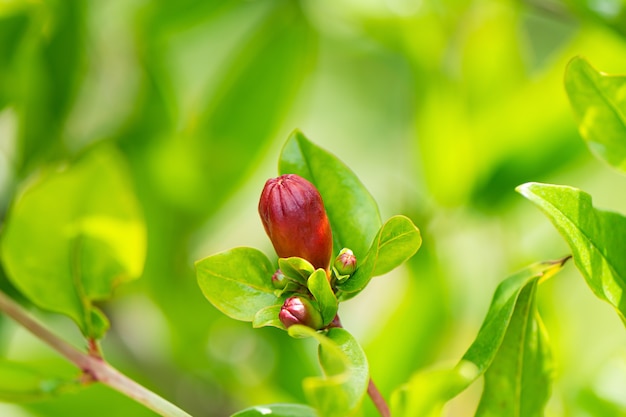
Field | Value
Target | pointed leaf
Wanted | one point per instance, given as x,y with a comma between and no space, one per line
596,237
278,410
320,287
352,211
268,316
296,268
427,392
599,103
397,240
73,236
517,383
346,371
238,282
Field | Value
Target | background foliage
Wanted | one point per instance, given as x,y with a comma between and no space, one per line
441,108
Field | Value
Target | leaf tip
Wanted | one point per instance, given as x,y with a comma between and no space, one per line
575,62
577,67
526,188
296,135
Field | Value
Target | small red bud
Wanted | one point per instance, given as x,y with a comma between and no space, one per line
299,310
279,280
345,263
295,220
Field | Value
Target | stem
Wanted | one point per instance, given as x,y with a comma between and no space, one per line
378,399
93,366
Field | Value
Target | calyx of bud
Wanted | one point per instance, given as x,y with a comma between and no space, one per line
299,310
295,220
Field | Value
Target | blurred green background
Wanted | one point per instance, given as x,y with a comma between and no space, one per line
441,108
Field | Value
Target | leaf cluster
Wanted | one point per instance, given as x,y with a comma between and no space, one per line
238,281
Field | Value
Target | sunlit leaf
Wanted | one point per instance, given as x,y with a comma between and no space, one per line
278,410
20,382
320,287
268,316
73,236
238,282
597,238
346,372
397,240
599,102
351,209
427,392
297,268
517,383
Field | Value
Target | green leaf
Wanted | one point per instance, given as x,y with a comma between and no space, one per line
593,404
268,316
427,392
346,372
20,382
597,238
599,103
296,268
278,410
13,29
517,383
320,287
73,236
265,85
189,113
48,71
397,240
352,211
238,282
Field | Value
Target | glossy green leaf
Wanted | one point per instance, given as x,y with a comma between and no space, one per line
268,316
397,240
346,372
517,383
351,209
73,236
427,392
20,382
597,238
296,268
238,282
320,287
278,410
599,103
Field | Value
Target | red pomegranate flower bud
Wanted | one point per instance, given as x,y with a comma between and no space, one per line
299,310
345,262
295,220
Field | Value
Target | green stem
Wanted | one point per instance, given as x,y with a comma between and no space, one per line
93,366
